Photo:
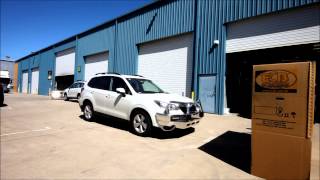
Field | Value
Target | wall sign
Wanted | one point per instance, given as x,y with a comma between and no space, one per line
49,75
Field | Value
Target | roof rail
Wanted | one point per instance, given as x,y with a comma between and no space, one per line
101,73
138,75
107,73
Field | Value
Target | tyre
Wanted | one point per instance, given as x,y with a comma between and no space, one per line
88,112
141,123
65,97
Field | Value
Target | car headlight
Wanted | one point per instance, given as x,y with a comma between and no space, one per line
173,106
161,104
169,106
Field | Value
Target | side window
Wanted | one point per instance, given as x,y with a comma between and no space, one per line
119,83
93,82
81,85
102,82
78,85
74,85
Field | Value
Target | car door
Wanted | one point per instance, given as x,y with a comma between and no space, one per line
76,90
79,87
100,86
72,89
118,105
69,91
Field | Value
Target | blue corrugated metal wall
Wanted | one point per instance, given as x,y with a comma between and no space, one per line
206,18
24,65
45,61
212,15
97,42
171,19
46,64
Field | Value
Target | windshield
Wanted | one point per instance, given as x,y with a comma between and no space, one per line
144,86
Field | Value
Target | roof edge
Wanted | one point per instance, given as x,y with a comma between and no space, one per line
97,27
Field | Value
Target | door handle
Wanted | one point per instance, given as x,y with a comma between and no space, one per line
107,96
211,94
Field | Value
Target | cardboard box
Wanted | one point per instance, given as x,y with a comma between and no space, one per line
276,156
282,120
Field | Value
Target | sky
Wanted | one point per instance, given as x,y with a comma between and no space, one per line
30,25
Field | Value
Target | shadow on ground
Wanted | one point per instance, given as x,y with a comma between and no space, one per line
73,100
125,126
3,105
231,147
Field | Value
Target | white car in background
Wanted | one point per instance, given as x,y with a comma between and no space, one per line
138,100
73,91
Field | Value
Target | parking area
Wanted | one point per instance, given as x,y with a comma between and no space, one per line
42,138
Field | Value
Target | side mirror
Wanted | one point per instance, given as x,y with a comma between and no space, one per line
121,91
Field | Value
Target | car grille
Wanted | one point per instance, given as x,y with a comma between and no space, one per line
188,108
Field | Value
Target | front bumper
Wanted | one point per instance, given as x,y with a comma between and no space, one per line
171,121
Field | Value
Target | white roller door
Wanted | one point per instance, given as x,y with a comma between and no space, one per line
35,81
292,27
25,82
65,62
168,63
97,63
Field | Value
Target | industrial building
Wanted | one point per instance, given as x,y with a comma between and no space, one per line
203,46
8,72
7,65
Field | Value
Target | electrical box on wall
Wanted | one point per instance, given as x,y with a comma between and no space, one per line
282,120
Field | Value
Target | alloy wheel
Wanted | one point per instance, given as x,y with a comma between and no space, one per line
139,123
88,112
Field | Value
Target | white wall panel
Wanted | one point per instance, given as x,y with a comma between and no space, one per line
168,63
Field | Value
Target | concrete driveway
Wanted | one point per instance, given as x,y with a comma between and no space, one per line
43,138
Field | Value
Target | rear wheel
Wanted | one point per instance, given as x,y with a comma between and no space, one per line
88,112
141,123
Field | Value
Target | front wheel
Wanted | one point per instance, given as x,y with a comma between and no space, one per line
141,123
65,97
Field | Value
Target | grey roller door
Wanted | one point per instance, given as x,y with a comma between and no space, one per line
25,82
65,62
292,27
34,81
94,64
168,63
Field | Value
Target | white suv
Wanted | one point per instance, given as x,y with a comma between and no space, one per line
138,100
73,91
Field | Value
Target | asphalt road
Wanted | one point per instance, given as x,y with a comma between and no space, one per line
43,138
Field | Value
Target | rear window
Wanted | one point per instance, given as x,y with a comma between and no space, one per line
102,82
